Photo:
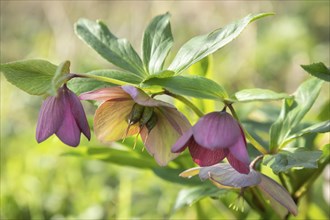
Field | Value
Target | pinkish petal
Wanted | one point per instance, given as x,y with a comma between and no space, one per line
205,157
142,98
160,139
216,130
50,118
238,165
182,143
178,121
78,113
226,176
69,132
113,93
278,193
110,120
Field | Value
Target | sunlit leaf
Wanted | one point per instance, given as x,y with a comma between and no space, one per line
293,111
31,76
202,67
318,70
157,42
199,47
194,86
298,158
115,50
250,95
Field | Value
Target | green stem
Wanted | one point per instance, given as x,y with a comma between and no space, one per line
186,102
102,78
253,141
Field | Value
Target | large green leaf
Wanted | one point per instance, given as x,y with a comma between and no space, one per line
189,196
318,70
80,85
31,76
117,51
293,111
199,47
297,158
194,86
250,95
157,42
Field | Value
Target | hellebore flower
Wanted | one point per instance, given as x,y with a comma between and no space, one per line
224,176
64,116
127,110
215,136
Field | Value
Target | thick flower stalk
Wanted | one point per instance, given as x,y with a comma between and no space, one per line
64,116
215,136
224,176
127,110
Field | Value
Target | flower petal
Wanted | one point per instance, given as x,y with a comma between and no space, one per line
110,120
225,176
142,98
205,157
238,156
161,138
216,130
113,93
278,193
78,113
182,143
50,118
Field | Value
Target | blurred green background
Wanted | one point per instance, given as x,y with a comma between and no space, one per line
38,183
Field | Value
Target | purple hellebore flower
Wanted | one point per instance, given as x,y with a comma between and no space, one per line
127,110
224,176
215,136
64,116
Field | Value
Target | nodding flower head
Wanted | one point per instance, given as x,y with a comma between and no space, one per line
127,110
224,176
64,116
215,136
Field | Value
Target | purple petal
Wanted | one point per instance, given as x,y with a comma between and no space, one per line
278,193
142,98
113,93
225,176
78,113
50,118
237,164
216,130
68,132
205,157
181,144
238,156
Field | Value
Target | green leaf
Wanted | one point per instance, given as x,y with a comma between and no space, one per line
297,158
60,76
318,70
194,86
189,196
293,111
250,95
321,127
117,51
31,76
157,42
201,46
80,85
172,175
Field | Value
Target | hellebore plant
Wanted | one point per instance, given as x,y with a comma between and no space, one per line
128,107
64,116
215,136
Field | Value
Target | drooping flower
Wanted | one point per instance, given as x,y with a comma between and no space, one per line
224,176
64,116
127,110
215,136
